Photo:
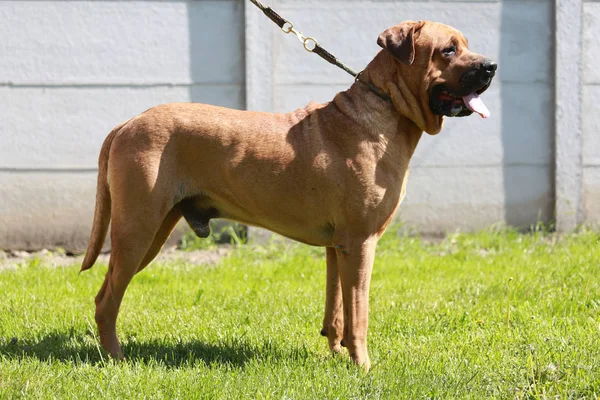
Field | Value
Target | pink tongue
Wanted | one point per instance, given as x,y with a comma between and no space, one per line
475,104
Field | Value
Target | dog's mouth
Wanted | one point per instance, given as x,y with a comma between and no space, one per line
443,101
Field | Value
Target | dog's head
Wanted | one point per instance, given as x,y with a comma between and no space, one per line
434,64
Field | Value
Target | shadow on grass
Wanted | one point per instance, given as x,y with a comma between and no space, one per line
77,347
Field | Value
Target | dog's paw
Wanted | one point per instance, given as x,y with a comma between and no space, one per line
362,361
333,339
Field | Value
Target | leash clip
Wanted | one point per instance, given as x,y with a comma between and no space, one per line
309,43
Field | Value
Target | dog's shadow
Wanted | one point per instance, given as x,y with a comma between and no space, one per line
71,347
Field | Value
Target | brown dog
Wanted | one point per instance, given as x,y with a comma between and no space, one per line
327,175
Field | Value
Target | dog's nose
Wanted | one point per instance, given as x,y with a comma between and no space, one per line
489,65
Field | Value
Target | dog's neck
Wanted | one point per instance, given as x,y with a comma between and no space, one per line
395,135
405,90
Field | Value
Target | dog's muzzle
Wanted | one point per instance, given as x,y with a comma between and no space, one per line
465,100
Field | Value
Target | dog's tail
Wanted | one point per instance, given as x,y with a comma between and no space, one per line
103,204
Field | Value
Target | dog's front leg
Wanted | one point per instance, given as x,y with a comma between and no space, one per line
355,264
333,322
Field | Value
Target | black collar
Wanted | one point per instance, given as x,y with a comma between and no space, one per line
374,88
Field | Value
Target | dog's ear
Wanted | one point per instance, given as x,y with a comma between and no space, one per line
400,42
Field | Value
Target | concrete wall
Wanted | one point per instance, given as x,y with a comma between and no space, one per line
71,70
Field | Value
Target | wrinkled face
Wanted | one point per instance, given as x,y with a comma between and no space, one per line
459,76
450,76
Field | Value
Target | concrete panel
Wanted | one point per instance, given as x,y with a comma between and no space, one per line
64,42
591,195
52,209
591,125
41,209
568,118
465,198
216,31
591,45
65,127
70,71
525,50
259,59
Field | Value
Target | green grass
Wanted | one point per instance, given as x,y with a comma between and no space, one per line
490,315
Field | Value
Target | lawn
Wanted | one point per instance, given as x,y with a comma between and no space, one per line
495,314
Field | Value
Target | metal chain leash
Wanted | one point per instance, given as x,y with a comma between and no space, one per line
312,46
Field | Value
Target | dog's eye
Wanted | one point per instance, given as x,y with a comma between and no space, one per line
449,51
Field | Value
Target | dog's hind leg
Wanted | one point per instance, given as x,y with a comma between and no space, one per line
161,236
333,322
132,235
